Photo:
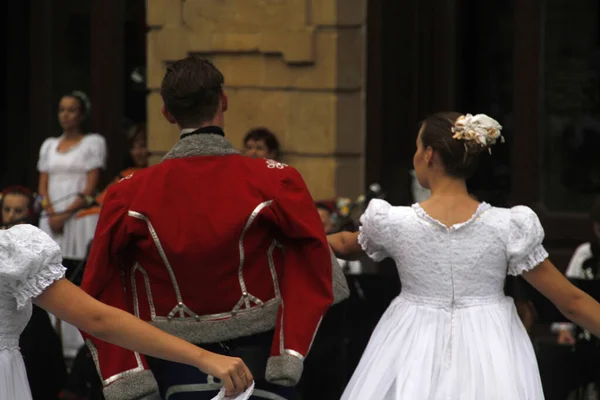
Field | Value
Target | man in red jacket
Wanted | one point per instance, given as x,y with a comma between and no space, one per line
225,251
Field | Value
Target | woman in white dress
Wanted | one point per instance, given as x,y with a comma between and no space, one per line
452,333
70,167
31,270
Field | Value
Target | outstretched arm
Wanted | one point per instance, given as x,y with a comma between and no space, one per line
345,245
71,304
575,304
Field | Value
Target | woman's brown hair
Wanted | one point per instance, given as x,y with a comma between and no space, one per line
460,158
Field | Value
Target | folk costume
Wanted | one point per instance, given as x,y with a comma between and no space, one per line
222,250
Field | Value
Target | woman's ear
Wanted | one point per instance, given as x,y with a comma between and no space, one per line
428,156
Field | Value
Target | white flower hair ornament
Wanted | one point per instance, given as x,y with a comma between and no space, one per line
477,130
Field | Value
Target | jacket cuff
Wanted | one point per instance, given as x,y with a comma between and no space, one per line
135,386
284,370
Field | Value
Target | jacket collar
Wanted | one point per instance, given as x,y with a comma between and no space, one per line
201,145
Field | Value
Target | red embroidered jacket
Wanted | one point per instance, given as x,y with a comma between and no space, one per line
210,245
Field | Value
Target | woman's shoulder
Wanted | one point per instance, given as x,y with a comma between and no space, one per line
94,138
382,211
380,206
517,212
516,220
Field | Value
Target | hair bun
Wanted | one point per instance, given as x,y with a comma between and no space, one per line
479,132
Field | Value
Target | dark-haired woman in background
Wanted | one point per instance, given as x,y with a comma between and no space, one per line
452,333
69,167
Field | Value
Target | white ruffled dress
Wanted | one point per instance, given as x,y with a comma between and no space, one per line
452,333
30,261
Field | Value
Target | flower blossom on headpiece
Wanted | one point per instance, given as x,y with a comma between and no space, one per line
477,130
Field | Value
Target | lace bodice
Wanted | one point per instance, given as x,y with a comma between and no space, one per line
30,261
465,264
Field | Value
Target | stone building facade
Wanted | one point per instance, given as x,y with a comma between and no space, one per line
294,66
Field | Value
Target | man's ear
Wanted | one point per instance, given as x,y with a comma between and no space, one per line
167,114
224,101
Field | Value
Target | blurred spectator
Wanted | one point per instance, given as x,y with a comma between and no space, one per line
69,167
137,154
17,206
261,143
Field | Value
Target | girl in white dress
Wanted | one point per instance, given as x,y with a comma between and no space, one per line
452,333
70,167
31,270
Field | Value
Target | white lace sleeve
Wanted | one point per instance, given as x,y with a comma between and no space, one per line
525,250
373,234
30,261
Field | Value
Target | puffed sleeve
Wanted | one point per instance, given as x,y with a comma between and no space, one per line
525,250
43,163
95,152
373,234
30,261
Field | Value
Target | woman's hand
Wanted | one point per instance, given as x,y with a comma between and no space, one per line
57,222
234,374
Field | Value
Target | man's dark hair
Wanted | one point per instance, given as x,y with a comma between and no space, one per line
191,90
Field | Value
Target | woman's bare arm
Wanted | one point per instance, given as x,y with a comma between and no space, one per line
345,245
71,304
575,304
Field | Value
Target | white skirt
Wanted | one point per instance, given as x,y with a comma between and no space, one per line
424,351
13,377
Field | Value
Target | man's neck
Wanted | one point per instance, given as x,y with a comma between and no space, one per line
202,129
217,121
